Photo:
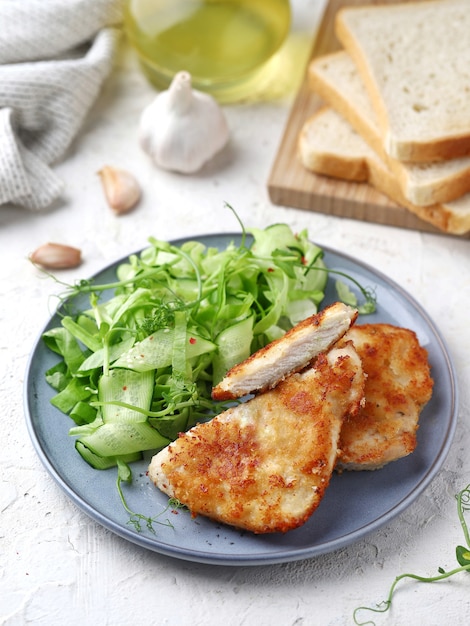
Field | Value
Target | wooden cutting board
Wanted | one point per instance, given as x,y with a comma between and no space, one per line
290,184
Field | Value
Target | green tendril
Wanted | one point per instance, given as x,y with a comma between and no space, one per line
137,519
463,504
242,225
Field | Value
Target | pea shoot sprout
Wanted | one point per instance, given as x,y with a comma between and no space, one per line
462,555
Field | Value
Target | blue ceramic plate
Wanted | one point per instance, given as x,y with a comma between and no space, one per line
355,504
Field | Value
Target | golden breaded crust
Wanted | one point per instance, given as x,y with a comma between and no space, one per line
290,353
398,385
265,464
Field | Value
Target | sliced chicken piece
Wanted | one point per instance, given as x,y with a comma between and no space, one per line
265,464
291,353
398,386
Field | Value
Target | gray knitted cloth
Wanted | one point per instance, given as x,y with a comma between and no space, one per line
54,57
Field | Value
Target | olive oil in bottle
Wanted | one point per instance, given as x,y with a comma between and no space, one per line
221,43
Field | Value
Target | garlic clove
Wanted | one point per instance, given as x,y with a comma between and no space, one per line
120,187
56,256
182,128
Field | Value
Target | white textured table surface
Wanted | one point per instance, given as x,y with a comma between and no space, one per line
57,566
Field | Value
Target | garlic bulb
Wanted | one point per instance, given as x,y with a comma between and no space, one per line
182,128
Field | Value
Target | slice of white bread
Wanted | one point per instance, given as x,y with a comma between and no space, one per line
335,78
414,59
329,145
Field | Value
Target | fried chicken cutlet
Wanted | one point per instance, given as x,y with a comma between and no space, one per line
264,465
290,353
398,385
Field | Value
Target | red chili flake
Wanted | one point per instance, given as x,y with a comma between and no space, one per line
124,388
304,261
192,341
270,269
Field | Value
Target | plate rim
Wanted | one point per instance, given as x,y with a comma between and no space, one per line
255,559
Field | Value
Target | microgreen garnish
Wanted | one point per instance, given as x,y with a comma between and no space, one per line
348,297
137,519
462,555
174,503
